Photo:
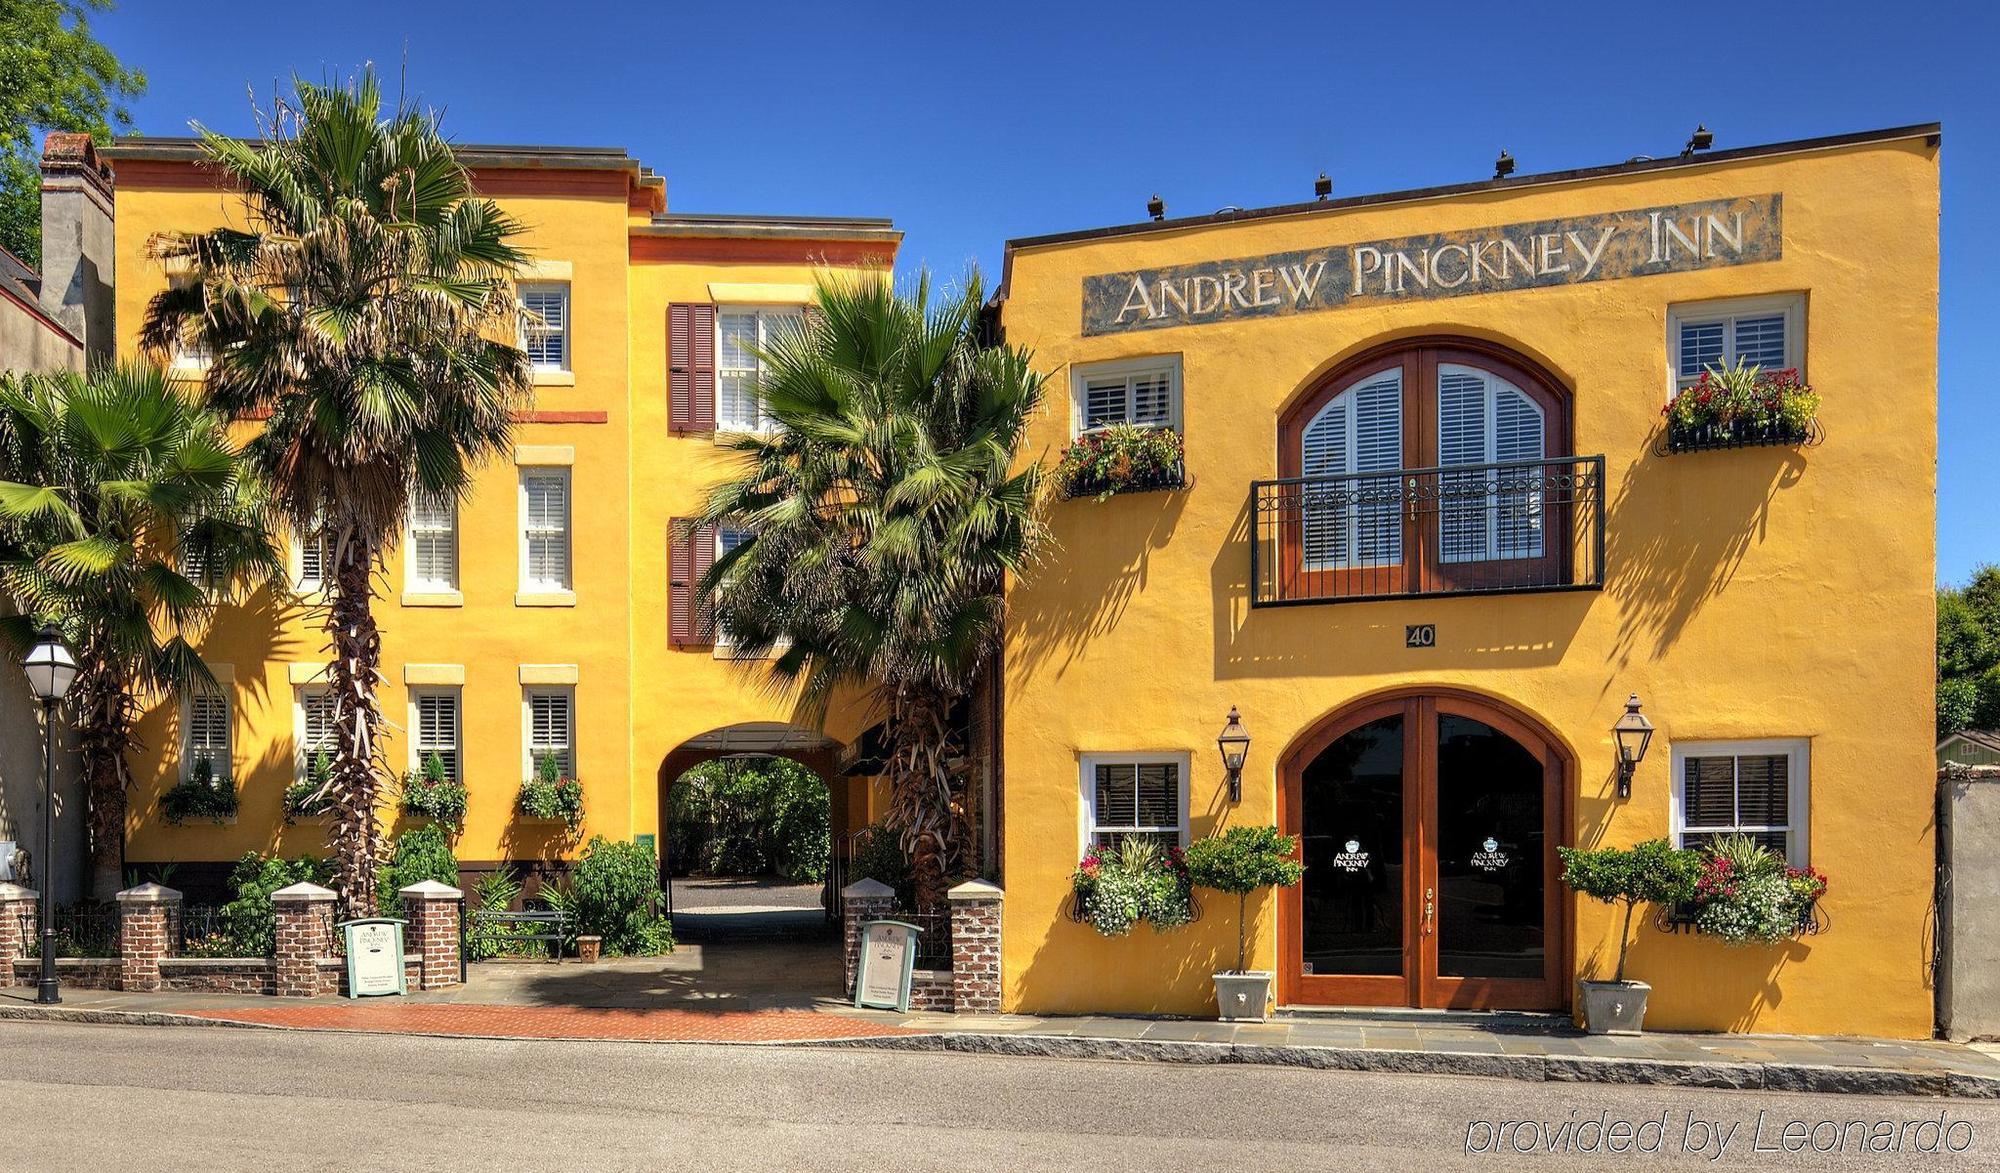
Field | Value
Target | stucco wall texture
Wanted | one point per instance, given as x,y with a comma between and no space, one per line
1756,593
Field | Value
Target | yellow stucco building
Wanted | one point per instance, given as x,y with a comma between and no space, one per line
1431,538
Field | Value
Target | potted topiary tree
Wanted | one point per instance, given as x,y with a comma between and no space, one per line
1243,860
1654,872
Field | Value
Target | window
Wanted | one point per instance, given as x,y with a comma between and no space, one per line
726,540
545,529
1756,788
1495,513
551,721
546,340
190,352
196,567
315,559
1127,795
205,731
313,728
434,716
1145,392
739,334
1766,332
1360,430
433,548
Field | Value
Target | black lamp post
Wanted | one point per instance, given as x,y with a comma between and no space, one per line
1634,732
50,670
1235,746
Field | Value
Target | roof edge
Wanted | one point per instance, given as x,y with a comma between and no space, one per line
181,148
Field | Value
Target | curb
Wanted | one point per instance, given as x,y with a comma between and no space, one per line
119,1017
1787,1077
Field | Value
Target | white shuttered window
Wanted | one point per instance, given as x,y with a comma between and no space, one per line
1755,788
545,538
551,729
436,722
205,727
433,548
313,718
1484,419
740,334
1355,521
1767,332
1145,392
545,335
1127,795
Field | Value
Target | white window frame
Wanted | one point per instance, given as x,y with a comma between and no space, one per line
531,586
1128,369
1798,777
185,359
561,333
302,751
303,583
725,648
417,747
1087,824
765,314
414,582
226,773
1726,310
528,694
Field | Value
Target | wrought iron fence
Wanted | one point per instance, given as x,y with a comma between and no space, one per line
1516,526
203,931
82,930
933,935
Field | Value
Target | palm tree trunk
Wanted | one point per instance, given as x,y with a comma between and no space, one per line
356,647
103,705
924,799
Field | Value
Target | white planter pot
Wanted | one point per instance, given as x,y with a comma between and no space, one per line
1243,997
1614,1008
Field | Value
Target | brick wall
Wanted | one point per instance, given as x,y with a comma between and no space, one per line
433,932
219,975
81,973
17,907
972,984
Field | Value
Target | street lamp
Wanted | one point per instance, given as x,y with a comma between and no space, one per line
1234,743
1634,732
50,670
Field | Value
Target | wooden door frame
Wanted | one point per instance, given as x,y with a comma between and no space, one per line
1419,984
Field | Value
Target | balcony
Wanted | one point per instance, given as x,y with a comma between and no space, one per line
1472,529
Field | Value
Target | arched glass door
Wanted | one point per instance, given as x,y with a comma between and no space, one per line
1428,826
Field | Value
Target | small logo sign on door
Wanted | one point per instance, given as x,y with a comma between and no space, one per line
1420,635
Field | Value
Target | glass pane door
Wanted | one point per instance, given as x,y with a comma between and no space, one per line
1490,864
1351,822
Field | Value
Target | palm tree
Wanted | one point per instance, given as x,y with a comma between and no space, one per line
885,515
125,518
366,312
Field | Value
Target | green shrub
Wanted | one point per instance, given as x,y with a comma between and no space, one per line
747,817
616,887
1746,894
1117,887
1654,872
1123,458
428,792
878,855
420,854
551,795
1243,860
202,796
249,925
497,891
308,796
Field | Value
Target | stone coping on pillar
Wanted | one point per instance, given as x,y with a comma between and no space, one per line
866,889
148,894
976,890
303,892
11,893
430,890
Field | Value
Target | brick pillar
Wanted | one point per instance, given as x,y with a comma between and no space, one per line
432,910
146,917
17,927
863,900
304,936
975,947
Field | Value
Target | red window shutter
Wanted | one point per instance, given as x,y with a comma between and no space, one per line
703,550
680,586
691,367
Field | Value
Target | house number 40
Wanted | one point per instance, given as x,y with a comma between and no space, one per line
1420,635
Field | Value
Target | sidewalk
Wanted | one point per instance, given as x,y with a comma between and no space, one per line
1524,1047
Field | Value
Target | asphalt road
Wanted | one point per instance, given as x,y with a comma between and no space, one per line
116,1097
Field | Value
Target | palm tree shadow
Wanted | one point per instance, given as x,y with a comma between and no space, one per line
1100,558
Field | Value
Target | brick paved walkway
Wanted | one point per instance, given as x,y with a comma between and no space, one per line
560,1022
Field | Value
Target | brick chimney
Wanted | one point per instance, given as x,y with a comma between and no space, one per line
77,242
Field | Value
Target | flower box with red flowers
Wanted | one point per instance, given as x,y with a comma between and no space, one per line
1122,458
1741,407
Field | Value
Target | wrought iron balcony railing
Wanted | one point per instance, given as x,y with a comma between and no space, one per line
1472,529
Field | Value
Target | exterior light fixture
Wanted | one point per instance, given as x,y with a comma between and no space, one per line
1702,139
1504,165
1234,743
1634,732
1156,207
1322,187
50,670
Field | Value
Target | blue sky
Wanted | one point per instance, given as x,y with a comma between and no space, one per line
973,122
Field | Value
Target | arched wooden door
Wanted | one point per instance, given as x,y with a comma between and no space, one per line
1428,823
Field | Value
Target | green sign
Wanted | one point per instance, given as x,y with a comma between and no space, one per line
1673,238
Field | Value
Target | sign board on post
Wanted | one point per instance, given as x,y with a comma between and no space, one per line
374,957
888,955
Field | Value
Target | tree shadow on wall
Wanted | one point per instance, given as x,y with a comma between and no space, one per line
1677,532
1099,559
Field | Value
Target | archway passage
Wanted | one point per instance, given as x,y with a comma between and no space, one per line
1428,822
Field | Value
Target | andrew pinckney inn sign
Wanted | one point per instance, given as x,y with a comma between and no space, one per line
1671,239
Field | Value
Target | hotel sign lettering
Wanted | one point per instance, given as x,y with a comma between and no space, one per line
1676,238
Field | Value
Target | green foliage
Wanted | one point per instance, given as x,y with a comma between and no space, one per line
749,816
423,853
1968,652
308,796
617,891
1115,888
1123,458
249,923
1243,860
497,891
550,795
429,792
54,75
878,855
1654,872
1747,894
201,796
1724,395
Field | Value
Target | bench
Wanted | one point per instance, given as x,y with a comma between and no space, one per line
554,926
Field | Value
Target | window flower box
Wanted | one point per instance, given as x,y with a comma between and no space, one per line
1741,407
433,794
201,796
552,799
1122,458
1114,888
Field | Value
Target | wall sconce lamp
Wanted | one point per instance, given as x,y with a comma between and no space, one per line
1234,743
1634,732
